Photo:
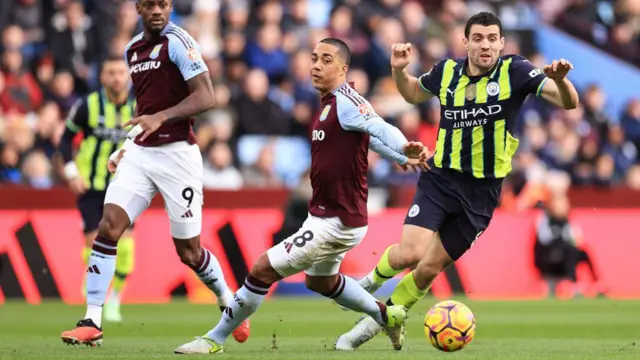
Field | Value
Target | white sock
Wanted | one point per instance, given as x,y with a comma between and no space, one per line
367,280
210,273
102,266
350,294
246,301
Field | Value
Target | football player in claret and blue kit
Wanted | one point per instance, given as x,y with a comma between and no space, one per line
343,131
171,84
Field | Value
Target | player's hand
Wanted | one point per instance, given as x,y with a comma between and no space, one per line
149,124
400,55
114,160
416,165
77,185
415,150
558,69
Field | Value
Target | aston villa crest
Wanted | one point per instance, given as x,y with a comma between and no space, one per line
156,52
325,112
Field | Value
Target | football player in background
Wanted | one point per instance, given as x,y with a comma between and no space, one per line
99,117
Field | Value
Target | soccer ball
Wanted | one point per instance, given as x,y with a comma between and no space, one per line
449,325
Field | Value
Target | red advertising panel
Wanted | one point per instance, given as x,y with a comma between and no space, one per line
40,254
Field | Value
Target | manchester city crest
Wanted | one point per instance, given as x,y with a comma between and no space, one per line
493,88
156,52
470,92
325,112
415,209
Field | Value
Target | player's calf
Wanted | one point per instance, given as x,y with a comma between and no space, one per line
208,269
246,300
348,293
435,260
114,222
206,266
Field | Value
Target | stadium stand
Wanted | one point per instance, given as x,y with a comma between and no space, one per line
257,53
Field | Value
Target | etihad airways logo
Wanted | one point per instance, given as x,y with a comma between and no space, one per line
474,113
477,116
144,66
469,123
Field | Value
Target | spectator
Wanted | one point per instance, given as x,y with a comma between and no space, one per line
594,105
262,174
219,172
623,152
21,93
37,171
254,104
61,91
341,26
296,26
266,52
49,129
73,44
376,63
9,171
631,122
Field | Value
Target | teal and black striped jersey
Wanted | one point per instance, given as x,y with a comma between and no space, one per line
478,113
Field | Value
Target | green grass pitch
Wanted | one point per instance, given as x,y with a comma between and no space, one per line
305,328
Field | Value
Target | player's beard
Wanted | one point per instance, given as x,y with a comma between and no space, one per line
482,65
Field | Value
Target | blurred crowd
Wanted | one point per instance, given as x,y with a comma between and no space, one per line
258,56
612,25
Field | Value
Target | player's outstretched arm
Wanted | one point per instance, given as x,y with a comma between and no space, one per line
418,161
560,91
408,85
386,152
385,139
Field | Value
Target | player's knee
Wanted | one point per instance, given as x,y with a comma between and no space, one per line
406,258
406,255
264,271
189,256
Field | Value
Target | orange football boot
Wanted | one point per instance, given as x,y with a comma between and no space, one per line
86,332
242,332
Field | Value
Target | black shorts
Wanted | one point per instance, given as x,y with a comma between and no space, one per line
91,205
458,208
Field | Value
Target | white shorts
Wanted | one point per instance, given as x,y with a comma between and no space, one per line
318,247
174,170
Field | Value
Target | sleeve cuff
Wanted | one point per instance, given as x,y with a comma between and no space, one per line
422,86
71,170
541,86
72,126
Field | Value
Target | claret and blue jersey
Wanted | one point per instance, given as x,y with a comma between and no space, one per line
478,113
